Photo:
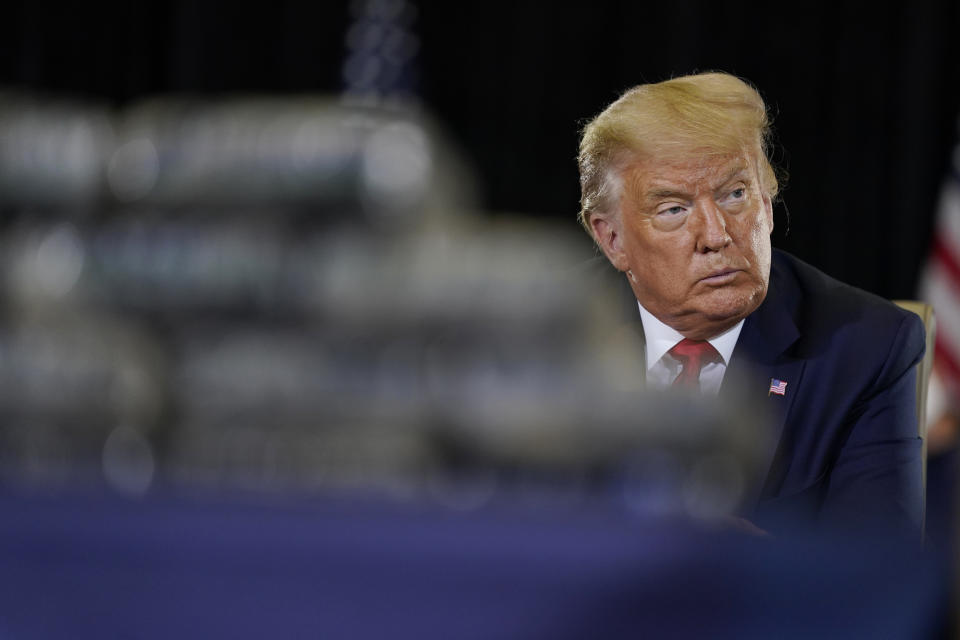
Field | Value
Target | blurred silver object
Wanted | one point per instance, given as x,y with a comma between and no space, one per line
292,295
75,390
53,151
390,166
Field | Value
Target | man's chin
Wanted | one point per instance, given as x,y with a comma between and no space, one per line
710,314
724,311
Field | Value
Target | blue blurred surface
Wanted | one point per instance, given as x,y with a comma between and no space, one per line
167,567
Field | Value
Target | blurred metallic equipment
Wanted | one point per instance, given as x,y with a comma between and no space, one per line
275,155
287,294
53,152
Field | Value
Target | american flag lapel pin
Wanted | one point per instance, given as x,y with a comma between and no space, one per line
778,387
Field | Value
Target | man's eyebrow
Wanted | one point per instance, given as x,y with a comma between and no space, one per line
666,192
737,172
741,170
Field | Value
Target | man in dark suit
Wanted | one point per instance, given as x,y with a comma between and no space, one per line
677,192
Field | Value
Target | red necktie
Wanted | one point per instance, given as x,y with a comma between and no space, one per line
693,355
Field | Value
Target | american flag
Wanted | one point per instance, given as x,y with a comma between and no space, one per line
778,387
940,285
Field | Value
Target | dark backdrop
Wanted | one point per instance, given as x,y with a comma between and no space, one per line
865,96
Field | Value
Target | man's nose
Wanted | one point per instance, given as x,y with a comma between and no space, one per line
711,228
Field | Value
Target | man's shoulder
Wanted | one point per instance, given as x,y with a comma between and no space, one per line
831,313
815,294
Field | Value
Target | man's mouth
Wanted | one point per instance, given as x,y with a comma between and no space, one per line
721,276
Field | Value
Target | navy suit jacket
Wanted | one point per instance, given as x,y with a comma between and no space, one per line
847,450
845,446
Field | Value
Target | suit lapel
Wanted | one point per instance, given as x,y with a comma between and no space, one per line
761,358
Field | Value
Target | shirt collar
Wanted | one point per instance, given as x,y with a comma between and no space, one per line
661,338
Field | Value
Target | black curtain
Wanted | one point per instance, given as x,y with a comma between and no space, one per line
865,96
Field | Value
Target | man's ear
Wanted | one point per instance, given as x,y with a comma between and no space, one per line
606,232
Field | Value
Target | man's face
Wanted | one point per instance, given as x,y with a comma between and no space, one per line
693,234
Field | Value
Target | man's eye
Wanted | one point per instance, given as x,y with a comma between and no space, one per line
671,211
737,194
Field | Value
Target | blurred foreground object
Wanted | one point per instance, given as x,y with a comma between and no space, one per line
471,355
306,152
96,568
274,156
292,295
52,152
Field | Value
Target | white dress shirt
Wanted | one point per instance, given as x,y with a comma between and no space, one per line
663,368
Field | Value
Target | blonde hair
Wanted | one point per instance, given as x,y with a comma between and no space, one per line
708,113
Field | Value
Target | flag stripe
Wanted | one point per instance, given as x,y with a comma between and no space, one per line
940,292
948,212
940,283
947,258
946,361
